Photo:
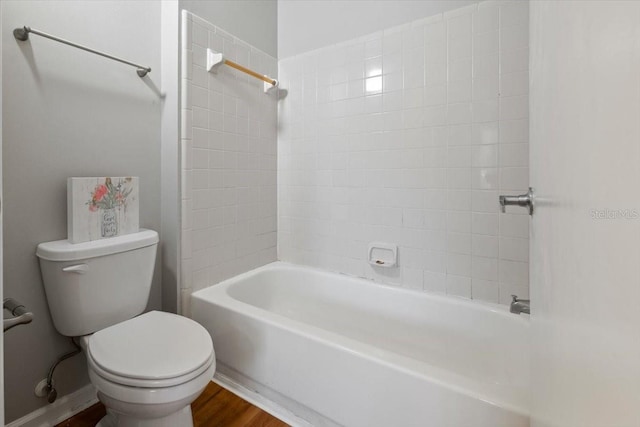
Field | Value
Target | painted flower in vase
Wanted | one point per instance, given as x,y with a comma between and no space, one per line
106,198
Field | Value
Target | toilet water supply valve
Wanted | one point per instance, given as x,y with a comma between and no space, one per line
45,387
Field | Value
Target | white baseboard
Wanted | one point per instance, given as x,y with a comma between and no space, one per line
63,408
276,404
260,401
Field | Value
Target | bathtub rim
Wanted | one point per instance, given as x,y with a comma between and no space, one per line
404,364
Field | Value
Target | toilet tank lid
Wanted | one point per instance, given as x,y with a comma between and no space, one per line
64,250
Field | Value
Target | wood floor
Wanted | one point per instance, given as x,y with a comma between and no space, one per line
216,407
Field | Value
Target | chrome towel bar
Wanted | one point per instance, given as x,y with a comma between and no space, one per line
20,313
22,34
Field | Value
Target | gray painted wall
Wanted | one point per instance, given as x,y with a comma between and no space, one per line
69,113
254,21
305,25
170,158
1,249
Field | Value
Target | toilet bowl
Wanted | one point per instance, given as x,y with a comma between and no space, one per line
147,368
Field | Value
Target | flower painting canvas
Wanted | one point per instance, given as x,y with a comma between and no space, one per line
101,207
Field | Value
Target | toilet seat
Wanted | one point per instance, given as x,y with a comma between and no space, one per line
154,350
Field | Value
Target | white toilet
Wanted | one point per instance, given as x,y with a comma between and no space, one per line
147,369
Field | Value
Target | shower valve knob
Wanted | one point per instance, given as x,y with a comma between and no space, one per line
524,200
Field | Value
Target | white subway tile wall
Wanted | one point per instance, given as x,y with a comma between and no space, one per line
228,151
408,136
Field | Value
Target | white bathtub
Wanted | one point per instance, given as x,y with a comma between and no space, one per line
337,350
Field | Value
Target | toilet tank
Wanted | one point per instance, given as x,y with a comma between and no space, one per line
96,284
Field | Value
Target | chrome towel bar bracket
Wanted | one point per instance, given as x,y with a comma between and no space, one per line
20,313
22,34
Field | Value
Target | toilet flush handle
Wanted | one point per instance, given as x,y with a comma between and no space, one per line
78,269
